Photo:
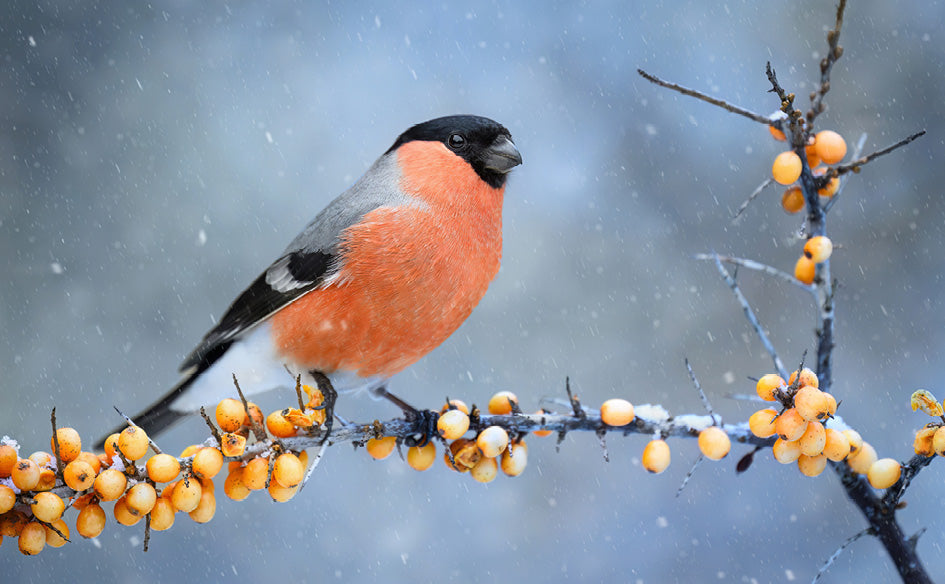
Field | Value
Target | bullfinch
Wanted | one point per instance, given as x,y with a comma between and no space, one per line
382,276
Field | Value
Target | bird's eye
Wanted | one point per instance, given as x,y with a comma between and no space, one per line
456,141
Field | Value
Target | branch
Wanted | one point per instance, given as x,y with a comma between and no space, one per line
706,98
834,51
855,165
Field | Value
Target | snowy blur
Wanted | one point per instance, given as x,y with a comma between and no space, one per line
154,158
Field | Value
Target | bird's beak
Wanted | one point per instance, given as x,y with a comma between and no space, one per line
502,155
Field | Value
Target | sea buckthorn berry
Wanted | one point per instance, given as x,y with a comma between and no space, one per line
162,515
924,444
541,433
288,470
91,459
380,448
501,403
814,439
7,499
207,462
884,473
924,400
12,523
786,168
421,457
515,459
47,507
811,466
818,248
810,151
189,451
255,474
830,189
777,134
81,502
8,459
253,414
864,458
831,405
281,494
79,475
111,446
811,403
790,425
278,426
492,441
455,404
792,200
32,539
616,412
656,456
805,270
110,484
714,443
485,470
133,442
233,486
53,539
206,507
162,468
836,445
230,414
123,514
856,441
187,493
761,423
453,424
786,451
232,444
25,474
140,499
299,419
830,146
807,377
42,459
91,520
766,386
47,480
466,453
70,444
938,441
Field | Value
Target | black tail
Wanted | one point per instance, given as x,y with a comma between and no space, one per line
159,416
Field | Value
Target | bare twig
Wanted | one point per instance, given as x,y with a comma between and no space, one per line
833,557
834,51
757,266
258,431
695,383
706,98
909,471
854,166
751,197
213,428
55,439
692,471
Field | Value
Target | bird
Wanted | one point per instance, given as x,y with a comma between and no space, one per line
382,276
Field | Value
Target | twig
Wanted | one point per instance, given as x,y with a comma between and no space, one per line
147,531
741,209
213,428
909,471
833,557
706,98
55,438
834,51
857,151
692,471
854,166
695,382
575,402
754,265
258,431
794,117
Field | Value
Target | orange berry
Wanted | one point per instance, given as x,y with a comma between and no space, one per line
761,423
25,474
47,507
380,448
515,459
278,426
7,499
714,443
255,473
811,466
884,473
830,146
230,414
831,405
863,459
91,520
814,439
53,539
281,494
32,539
786,168
233,486
792,200
790,426
133,442
811,403
767,385
455,404
856,442
656,456
923,443
189,451
47,480
70,444
110,484
492,441
42,459
186,494
818,248
207,462
162,515
616,412
786,451
111,446
777,134
805,270
836,445
91,459
162,468
830,189
288,470
12,523
485,470
807,377
140,499
465,454
813,159
453,424
123,514
938,441
421,457
541,433
8,459
501,403
232,444
206,506
79,475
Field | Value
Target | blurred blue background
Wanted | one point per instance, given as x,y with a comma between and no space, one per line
154,158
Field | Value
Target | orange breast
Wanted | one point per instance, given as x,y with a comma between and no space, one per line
410,274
